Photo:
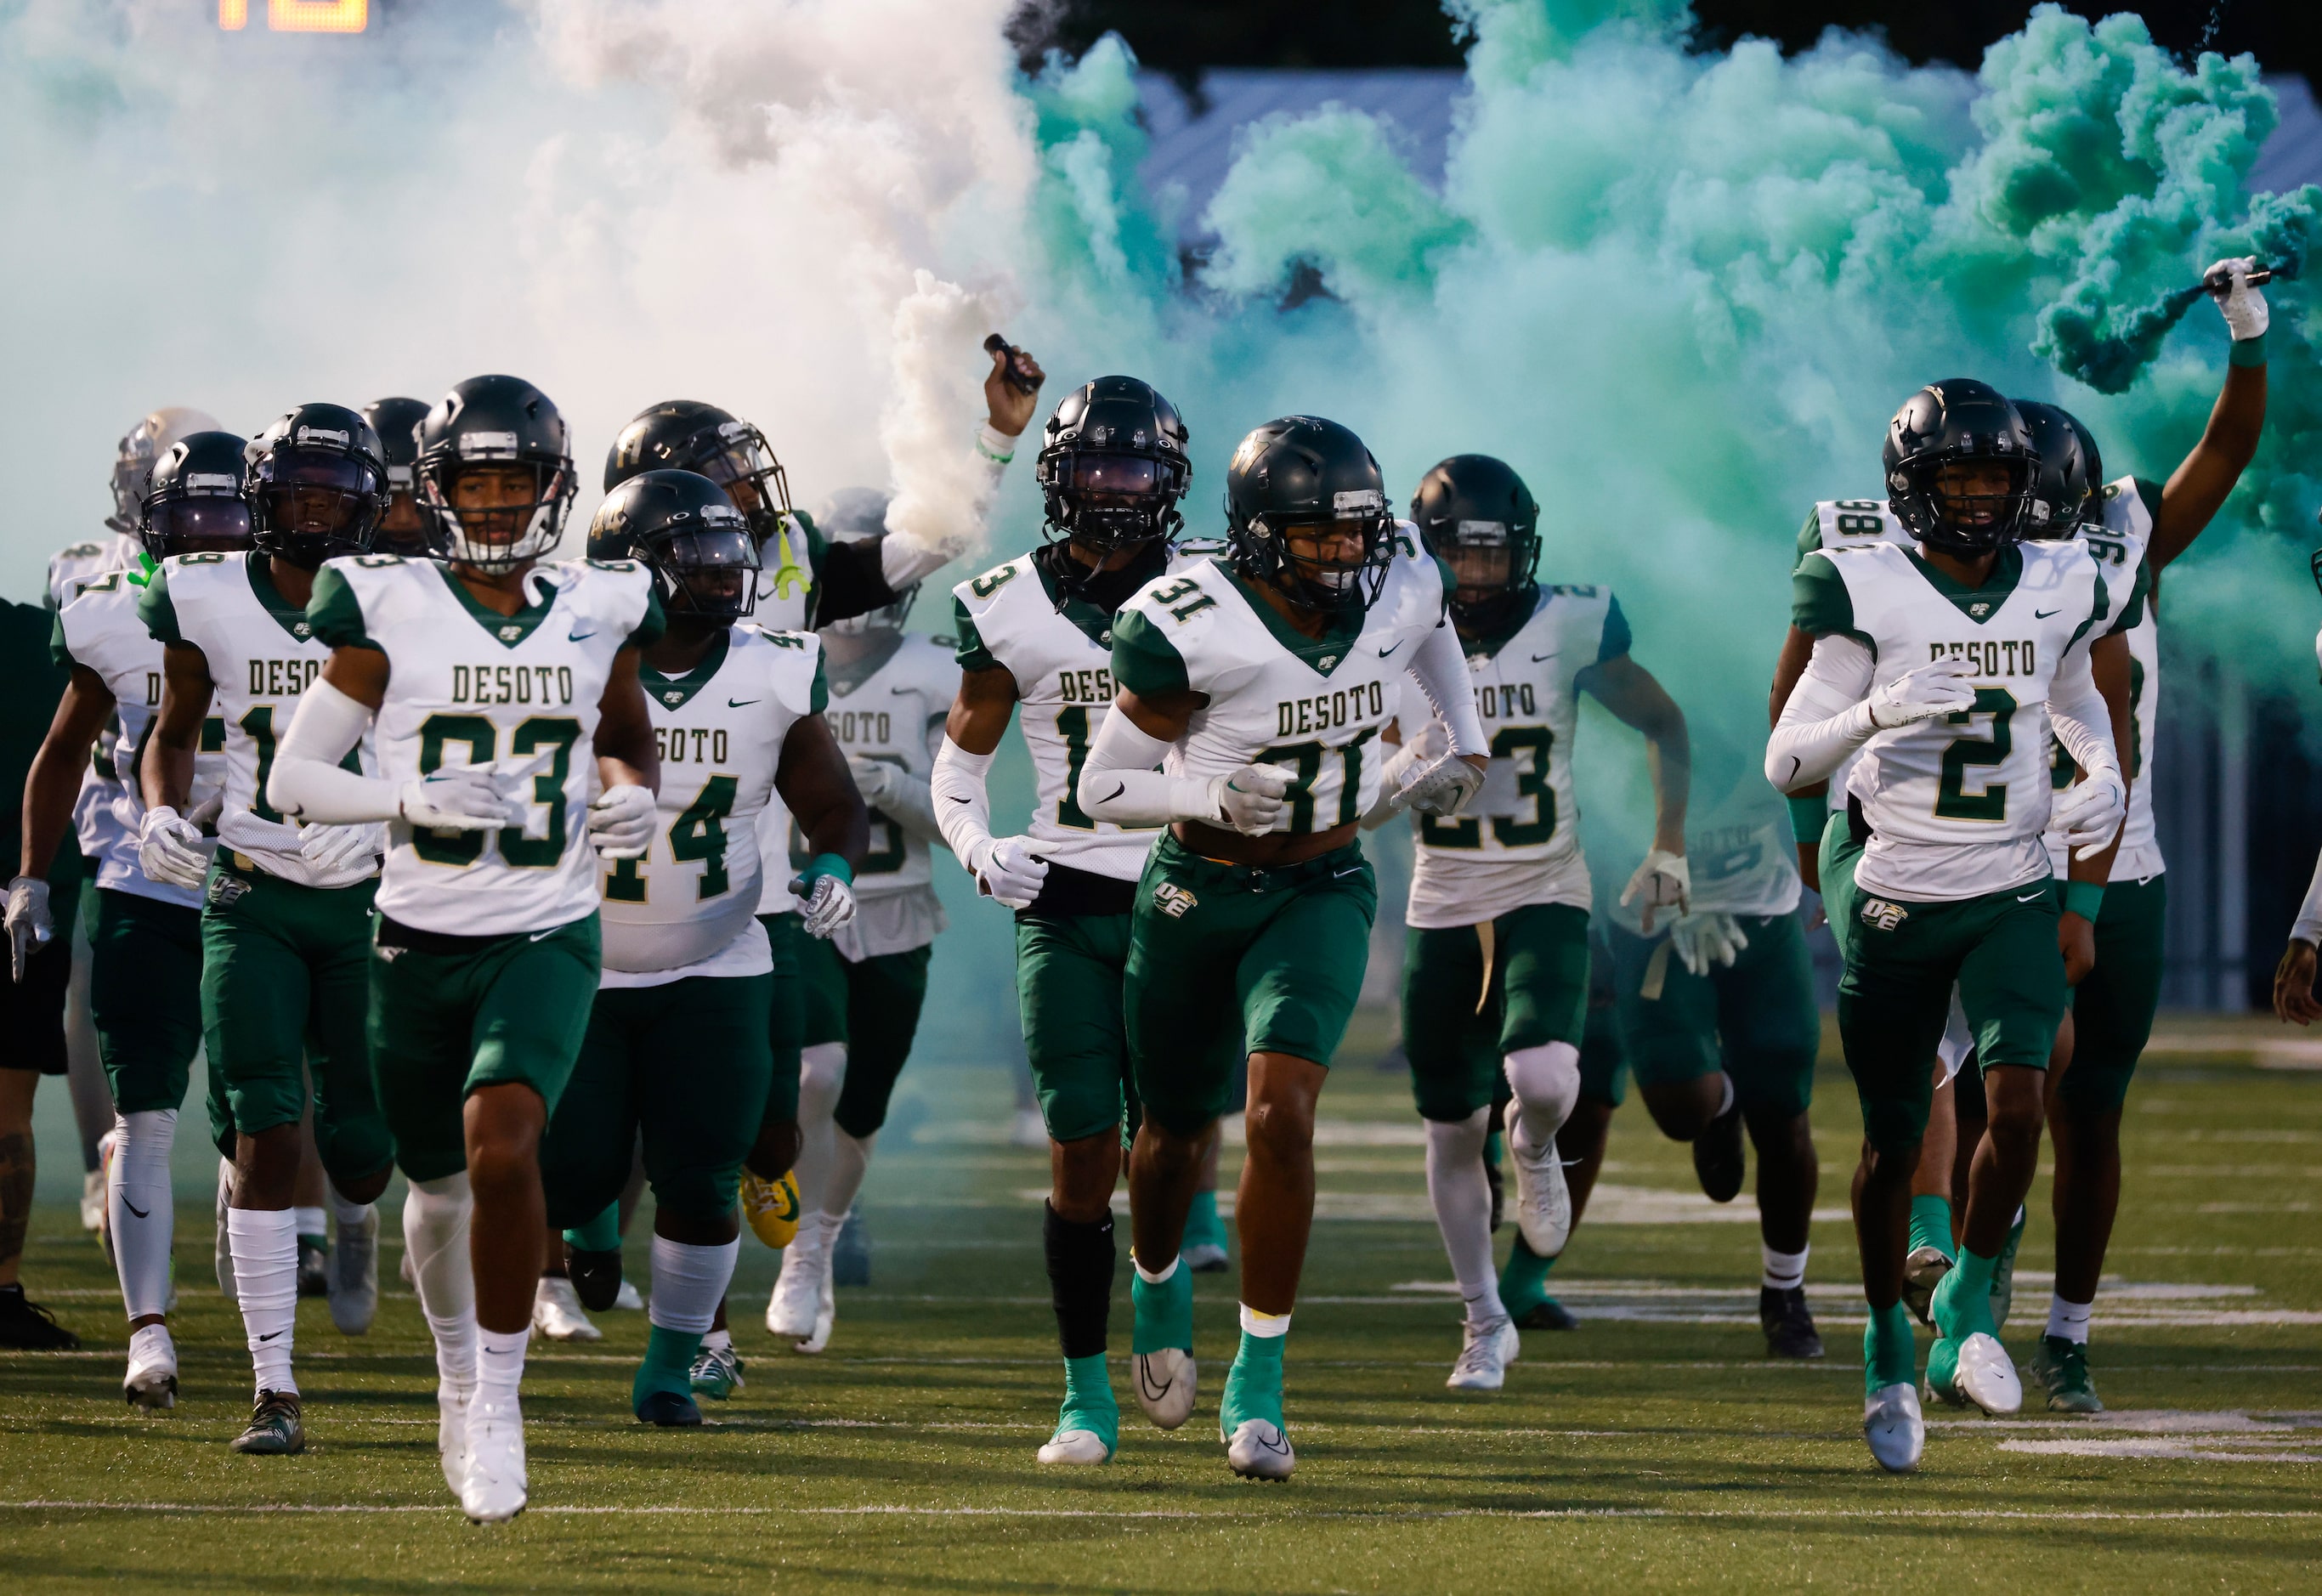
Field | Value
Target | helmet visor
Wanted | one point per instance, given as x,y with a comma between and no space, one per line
752,478
1129,476
1977,494
181,525
325,496
712,572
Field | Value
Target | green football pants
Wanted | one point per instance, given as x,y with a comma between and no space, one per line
1458,1025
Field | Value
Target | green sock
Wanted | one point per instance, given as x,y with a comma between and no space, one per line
1931,1225
1493,1146
1165,1312
1962,1304
1889,1356
1089,1402
1203,1225
1253,1385
669,1357
599,1234
1523,1279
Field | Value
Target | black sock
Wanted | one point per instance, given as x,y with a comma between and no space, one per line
1080,1280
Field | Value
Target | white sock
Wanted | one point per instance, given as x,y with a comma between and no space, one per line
138,1203
1462,1199
688,1282
822,1070
310,1221
2068,1320
1725,1096
499,1370
1546,1080
348,1213
1265,1327
265,1243
1147,1276
436,1237
718,1340
1785,1272
850,1160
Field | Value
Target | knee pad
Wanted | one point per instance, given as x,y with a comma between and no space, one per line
1546,1079
822,1073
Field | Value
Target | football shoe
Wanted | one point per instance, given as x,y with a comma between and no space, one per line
1161,1359
2003,1273
314,1269
2060,1366
772,1207
274,1429
1543,1201
1485,1356
1718,1156
1788,1324
354,1275
1923,1271
1893,1426
92,1201
27,1326
152,1381
453,1401
715,1374
493,1491
556,1312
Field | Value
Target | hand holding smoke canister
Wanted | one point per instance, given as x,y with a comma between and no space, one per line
2234,285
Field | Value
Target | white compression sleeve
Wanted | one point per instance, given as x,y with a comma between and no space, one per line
2079,714
1119,782
139,1209
963,804
2309,925
307,783
1461,1195
1826,718
1439,665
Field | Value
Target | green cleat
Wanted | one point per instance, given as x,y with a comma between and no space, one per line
274,1429
2003,1273
2061,1365
1943,1375
715,1374
1088,1425
1161,1350
1249,1417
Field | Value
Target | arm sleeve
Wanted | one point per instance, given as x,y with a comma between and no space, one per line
308,783
1826,718
1119,782
1439,665
962,803
2078,713
2308,927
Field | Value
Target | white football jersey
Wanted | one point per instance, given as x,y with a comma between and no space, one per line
1062,661
689,906
2119,547
1958,804
1740,853
1313,706
98,829
470,686
262,653
75,563
1518,842
1848,524
100,628
889,706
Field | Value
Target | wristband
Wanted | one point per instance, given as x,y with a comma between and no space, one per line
820,865
2084,898
1808,816
2247,351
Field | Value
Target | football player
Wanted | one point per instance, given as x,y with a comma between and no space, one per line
145,948
1037,631
403,530
1947,665
1496,978
504,693
287,909
677,1050
1263,680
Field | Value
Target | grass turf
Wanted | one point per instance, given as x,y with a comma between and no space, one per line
1653,1447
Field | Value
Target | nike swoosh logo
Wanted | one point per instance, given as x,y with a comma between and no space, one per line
133,1207
954,797
2028,897
899,692
1340,875
580,636
269,1336
1119,787
1386,652
1536,659
739,703
2042,614
538,936
1796,762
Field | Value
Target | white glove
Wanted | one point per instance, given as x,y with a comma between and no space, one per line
330,849
828,907
2089,811
2242,306
1443,787
621,821
30,926
1937,687
1710,937
1663,881
460,797
874,779
1007,869
1250,799
170,850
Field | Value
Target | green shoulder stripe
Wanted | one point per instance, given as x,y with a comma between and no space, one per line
158,610
1809,537
1142,660
1615,642
336,613
2150,492
1820,603
2100,606
819,697
58,650
2139,593
653,623
972,655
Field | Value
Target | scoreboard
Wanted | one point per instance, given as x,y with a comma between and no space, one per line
298,16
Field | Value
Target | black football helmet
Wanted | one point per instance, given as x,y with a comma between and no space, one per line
2069,487
403,530
688,435
1473,502
316,485
1112,465
1961,421
683,528
193,502
140,449
496,424
1301,470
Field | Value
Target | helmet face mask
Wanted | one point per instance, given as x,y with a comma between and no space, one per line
495,477
1113,469
403,529
1337,566
683,528
1475,515
194,502
688,435
316,485
1960,467
2067,490
1291,480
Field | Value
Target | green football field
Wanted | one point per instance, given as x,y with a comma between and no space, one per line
1654,1447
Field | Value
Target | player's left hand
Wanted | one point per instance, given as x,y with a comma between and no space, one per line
2089,811
170,849
28,922
332,848
1664,880
829,903
2076,939
874,779
621,821
1443,788
1712,937
1008,407
2238,300
2293,982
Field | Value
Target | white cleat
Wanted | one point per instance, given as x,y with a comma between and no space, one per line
804,1304
1892,1425
152,1381
92,1201
628,1298
1987,1375
1076,1446
1166,1385
1543,1201
222,1253
1485,1357
556,1312
1258,1451
1204,1257
494,1491
452,1431
353,1272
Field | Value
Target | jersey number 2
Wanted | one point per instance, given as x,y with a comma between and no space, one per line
1953,800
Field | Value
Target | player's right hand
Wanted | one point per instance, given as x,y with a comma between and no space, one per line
1008,870
1936,688
332,848
1443,787
1711,937
459,797
828,904
30,926
1251,799
170,849
2238,299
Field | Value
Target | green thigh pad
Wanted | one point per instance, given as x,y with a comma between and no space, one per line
1224,957
884,994
1604,1054
1755,1019
822,990
454,1013
145,997
1455,1029
286,976
2113,1007
684,1065
785,1017
1068,990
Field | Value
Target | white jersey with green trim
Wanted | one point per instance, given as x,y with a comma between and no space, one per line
1314,707
100,628
1518,842
689,906
75,563
1848,524
2120,545
262,653
469,685
1957,804
1740,853
889,705
1061,658
95,827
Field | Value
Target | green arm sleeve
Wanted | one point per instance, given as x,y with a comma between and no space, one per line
158,610
1809,539
336,613
1615,639
1142,660
970,653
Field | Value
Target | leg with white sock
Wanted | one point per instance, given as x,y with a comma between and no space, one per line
1461,1196
436,1219
263,1226
1546,1081
139,1212
797,1313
